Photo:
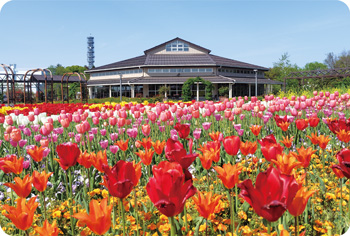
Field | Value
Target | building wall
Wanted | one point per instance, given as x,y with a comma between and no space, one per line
125,76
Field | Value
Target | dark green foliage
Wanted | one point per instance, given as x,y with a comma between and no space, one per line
186,88
224,91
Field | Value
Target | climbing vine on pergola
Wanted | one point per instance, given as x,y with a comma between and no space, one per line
186,88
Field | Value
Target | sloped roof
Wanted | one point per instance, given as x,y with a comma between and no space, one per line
180,59
177,38
132,62
222,61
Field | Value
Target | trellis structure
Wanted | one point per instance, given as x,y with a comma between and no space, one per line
83,87
10,92
32,72
318,74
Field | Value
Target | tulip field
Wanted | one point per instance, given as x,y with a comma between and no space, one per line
275,166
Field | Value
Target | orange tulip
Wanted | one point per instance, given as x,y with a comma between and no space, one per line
146,157
248,147
22,215
138,172
37,153
21,187
304,155
297,207
286,163
100,160
287,142
11,164
212,146
284,126
229,174
146,143
122,145
300,180
206,204
99,218
206,159
158,146
86,159
313,138
47,229
343,135
40,180
255,129
323,141
215,136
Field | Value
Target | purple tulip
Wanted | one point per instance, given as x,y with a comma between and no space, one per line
104,144
114,136
197,133
132,132
103,132
206,125
22,142
37,137
114,149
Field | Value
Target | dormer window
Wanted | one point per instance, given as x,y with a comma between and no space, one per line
177,46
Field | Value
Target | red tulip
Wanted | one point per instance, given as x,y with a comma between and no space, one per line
269,147
344,162
272,194
301,124
120,179
174,151
231,145
182,129
68,153
168,190
313,121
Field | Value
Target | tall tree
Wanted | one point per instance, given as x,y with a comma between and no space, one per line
343,60
330,60
315,66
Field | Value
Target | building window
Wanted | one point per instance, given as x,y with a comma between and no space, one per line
181,70
177,46
123,72
153,89
139,91
175,90
126,90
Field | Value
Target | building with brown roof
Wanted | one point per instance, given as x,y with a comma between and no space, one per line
171,64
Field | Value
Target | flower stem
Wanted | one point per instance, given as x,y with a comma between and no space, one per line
123,214
172,232
269,227
70,198
296,226
232,213
185,213
136,213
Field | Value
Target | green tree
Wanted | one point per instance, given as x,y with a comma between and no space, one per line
315,66
282,69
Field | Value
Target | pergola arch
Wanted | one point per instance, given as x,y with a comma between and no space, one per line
317,74
69,74
32,72
6,67
186,89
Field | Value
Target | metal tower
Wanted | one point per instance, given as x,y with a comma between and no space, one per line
90,51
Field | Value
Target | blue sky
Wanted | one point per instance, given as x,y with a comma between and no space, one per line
43,33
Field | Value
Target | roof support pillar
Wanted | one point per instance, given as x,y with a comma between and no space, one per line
229,90
90,92
132,90
197,91
250,89
165,94
110,91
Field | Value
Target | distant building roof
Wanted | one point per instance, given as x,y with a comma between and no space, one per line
176,59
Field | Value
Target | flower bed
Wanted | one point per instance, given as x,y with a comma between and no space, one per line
238,167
